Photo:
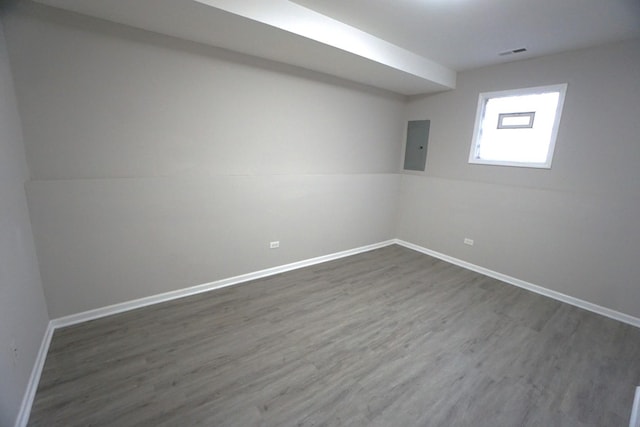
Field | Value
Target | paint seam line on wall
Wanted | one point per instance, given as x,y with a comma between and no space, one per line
210,175
25,409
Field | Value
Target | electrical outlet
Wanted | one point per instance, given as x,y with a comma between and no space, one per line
468,241
274,245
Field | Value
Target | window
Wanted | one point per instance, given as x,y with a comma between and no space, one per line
517,127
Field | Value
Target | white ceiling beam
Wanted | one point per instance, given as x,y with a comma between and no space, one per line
278,30
304,22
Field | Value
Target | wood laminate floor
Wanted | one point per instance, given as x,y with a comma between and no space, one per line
389,337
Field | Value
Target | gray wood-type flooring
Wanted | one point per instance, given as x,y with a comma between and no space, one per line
390,337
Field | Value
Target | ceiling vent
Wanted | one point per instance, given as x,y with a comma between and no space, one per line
512,51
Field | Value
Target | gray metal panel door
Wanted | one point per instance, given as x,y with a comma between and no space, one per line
415,155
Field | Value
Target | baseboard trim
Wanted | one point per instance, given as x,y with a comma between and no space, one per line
36,372
604,311
34,378
634,421
32,386
193,290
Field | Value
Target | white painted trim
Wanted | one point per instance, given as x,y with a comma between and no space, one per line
604,311
180,293
484,97
34,379
27,402
634,421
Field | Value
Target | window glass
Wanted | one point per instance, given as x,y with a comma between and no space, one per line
518,127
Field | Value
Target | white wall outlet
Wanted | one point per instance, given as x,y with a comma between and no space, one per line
468,241
274,245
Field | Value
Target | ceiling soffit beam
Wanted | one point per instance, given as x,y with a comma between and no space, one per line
304,22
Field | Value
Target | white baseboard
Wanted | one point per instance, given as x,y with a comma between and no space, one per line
604,311
27,402
34,378
32,386
180,293
634,421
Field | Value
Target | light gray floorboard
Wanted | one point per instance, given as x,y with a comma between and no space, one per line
389,337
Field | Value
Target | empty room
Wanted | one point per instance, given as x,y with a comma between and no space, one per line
320,213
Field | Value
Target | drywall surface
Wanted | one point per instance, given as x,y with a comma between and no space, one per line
573,228
23,314
129,238
159,164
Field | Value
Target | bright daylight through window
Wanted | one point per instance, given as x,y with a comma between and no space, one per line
517,127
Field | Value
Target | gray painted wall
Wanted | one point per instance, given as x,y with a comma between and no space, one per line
159,164
23,313
573,229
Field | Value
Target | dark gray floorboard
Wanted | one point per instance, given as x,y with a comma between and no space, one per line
389,337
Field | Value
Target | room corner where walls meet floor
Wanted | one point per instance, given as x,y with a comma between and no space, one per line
237,280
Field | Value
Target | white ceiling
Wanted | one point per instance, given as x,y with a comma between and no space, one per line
465,34
405,46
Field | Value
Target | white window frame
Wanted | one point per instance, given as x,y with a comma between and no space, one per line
482,102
